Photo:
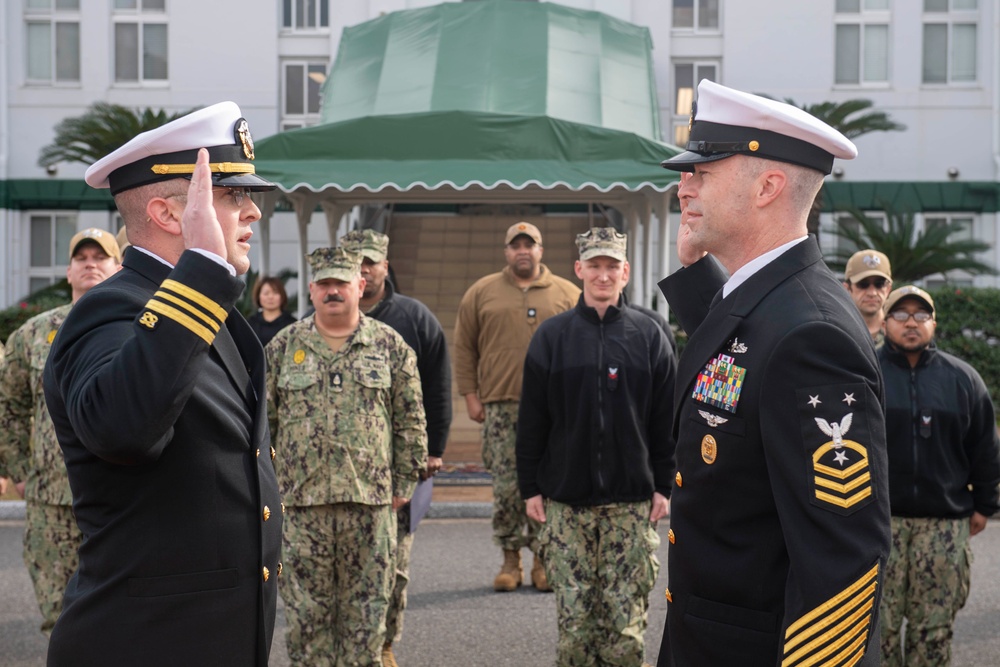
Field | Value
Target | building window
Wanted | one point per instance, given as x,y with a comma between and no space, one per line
696,15
962,225
140,33
305,14
862,42
53,41
301,82
686,79
950,41
49,235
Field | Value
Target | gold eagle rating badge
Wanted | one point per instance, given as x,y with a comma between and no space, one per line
841,474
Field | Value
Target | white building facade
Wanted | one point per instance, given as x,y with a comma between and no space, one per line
930,64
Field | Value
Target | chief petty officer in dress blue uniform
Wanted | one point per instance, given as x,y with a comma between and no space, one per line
155,384
780,518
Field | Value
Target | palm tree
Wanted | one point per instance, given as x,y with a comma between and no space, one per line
100,130
852,118
912,255
842,116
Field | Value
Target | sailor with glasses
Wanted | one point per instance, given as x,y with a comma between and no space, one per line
944,468
868,278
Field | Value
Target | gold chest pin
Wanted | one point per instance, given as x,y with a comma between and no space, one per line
708,449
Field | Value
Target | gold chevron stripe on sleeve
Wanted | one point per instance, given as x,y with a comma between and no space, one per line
844,502
212,323
195,296
844,488
183,319
838,626
845,632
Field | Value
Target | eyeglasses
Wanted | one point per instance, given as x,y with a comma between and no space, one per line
239,195
879,283
919,317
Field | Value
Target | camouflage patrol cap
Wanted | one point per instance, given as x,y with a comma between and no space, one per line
338,263
602,242
367,242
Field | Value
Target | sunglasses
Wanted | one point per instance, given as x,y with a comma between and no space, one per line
919,317
238,195
879,283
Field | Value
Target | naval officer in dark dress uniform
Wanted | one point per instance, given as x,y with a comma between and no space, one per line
155,384
779,512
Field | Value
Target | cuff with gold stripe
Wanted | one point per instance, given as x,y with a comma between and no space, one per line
186,306
837,631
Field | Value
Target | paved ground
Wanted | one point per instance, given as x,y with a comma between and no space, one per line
456,620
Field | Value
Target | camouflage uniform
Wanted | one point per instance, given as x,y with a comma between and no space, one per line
601,561
349,433
29,452
937,549
509,519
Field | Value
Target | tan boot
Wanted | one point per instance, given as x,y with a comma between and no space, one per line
388,659
538,578
511,573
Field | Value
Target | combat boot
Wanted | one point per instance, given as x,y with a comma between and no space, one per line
538,578
511,573
388,659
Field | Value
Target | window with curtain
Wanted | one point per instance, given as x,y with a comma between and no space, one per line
52,38
862,42
305,14
950,41
49,235
140,41
301,82
687,75
696,15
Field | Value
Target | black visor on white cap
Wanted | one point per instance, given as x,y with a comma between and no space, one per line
727,122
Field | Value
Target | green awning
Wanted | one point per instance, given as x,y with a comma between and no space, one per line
36,193
520,58
951,196
462,150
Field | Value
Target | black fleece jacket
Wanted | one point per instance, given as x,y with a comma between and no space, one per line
594,424
941,436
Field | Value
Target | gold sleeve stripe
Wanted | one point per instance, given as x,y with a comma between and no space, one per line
864,582
184,320
864,614
197,297
844,488
823,659
200,314
844,502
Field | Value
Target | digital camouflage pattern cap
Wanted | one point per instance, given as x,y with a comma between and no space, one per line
865,263
102,238
908,292
338,263
602,242
367,242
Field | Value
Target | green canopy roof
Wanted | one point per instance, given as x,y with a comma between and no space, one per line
952,196
522,58
462,150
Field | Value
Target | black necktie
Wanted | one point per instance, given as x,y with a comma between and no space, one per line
716,299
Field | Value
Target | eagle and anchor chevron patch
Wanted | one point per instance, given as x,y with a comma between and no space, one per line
835,432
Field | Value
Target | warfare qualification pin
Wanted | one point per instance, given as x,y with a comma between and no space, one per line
243,136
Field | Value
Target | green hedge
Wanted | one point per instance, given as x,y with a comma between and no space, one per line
51,297
968,327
